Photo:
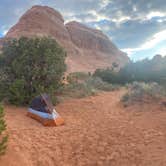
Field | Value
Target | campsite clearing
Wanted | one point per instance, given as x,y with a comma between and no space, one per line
99,131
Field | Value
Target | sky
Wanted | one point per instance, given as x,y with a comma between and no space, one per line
137,27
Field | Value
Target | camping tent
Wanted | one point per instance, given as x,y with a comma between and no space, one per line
42,110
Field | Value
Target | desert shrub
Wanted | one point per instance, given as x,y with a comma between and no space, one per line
153,70
31,67
77,77
97,83
151,89
107,75
3,138
125,97
139,90
90,86
77,90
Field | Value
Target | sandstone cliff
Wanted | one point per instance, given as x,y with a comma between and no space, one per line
87,48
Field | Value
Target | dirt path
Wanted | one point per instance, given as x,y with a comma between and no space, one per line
98,132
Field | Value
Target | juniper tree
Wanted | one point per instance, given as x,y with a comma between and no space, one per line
31,66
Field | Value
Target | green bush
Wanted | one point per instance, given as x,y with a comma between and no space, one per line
31,66
3,138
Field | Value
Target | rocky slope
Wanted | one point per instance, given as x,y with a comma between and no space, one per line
87,48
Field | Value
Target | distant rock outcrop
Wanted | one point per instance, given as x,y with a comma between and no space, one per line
87,48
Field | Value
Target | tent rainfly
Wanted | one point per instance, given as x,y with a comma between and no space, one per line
42,110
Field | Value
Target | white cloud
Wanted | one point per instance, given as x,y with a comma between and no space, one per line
104,3
121,19
156,39
4,32
72,18
90,16
135,8
161,20
68,14
106,28
161,51
130,51
141,17
97,16
155,14
97,27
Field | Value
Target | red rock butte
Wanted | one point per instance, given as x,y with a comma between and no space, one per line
87,49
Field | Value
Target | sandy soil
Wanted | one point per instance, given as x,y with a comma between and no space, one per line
98,132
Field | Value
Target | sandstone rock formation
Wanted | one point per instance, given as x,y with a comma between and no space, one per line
87,48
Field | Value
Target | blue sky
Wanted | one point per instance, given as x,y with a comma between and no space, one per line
137,27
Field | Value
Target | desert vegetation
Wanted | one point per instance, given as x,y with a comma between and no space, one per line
153,70
42,69
3,137
43,65
29,67
143,79
80,84
143,92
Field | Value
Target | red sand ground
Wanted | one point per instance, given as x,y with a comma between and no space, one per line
98,132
